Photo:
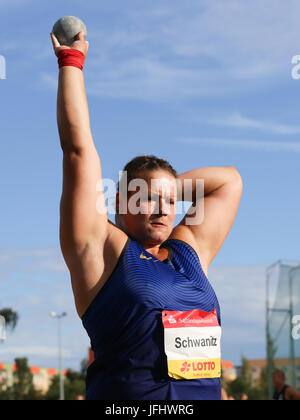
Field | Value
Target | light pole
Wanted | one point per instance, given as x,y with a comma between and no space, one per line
61,378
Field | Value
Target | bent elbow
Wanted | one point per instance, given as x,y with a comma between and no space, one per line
236,177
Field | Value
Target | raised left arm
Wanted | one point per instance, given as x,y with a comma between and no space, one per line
215,197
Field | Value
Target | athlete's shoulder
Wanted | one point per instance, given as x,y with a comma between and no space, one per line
183,233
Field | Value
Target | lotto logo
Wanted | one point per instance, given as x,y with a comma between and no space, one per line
198,366
185,367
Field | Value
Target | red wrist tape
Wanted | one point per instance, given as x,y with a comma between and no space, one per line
71,57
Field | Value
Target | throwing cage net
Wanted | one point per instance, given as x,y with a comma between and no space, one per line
282,316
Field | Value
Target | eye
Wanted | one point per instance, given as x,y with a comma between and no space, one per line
153,198
149,199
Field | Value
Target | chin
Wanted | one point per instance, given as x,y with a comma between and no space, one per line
156,236
159,237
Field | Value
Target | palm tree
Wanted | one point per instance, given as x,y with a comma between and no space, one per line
11,318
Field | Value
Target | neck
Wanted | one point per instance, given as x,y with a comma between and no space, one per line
159,253
154,250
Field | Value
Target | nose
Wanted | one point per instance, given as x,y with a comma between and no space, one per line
162,207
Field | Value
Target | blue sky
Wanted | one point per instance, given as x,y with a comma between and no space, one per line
200,83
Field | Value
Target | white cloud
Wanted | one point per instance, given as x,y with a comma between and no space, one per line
241,290
33,283
33,351
239,121
11,2
48,80
209,48
30,261
261,145
241,293
17,253
248,36
149,79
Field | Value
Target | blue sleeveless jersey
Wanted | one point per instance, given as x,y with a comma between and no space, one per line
124,323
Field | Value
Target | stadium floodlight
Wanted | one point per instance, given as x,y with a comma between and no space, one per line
61,378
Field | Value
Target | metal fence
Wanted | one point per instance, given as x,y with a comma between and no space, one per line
282,309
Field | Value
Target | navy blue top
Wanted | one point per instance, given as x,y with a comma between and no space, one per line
124,323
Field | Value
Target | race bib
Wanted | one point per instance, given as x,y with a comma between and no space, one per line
192,344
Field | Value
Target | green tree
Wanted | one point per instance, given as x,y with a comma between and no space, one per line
23,388
263,385
246,371
74,385
271,352
53,390
84,367
11,318
237,388
6,394
242,384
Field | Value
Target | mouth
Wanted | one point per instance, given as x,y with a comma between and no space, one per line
158,224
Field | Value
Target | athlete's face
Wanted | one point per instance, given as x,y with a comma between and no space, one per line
150,206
